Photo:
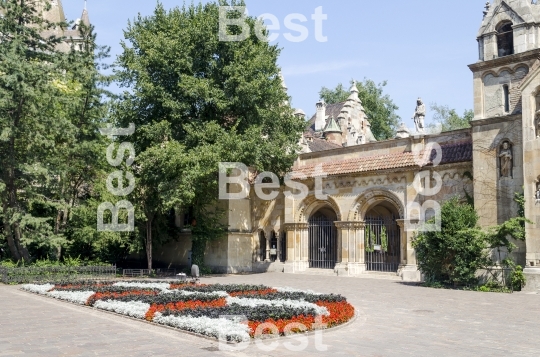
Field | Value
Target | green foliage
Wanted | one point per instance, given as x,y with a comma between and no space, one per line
51,105
517,278
384,239
379,107
449,119
453,255
197,101
369,240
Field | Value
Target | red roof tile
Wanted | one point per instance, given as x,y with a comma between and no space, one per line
460,152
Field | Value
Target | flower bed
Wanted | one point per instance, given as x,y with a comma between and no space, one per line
229,312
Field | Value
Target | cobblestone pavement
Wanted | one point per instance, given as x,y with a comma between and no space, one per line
394,320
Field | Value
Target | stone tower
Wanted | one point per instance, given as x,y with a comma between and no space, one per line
506,126
56,14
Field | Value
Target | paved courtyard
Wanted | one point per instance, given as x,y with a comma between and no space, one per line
394,320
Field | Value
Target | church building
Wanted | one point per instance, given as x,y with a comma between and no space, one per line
375,194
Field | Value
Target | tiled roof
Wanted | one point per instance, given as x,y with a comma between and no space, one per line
322,145
460,152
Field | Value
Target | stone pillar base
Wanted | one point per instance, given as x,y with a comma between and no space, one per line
350,269
295,267
410,273
532,275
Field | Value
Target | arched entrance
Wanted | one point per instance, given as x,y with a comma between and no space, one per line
322,239
382,238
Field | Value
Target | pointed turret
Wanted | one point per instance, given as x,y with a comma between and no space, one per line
333,132
85,19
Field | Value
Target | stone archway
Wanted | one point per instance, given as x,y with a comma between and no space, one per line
372,197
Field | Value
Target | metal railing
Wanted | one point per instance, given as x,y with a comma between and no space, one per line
133,273
21,275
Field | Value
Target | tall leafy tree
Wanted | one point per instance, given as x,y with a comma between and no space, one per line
379,107
29,130
50,108
197,101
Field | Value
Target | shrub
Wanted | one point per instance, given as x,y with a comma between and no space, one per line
455,253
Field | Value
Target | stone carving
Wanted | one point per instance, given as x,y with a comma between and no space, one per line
506,159
419,115
487,7
537,195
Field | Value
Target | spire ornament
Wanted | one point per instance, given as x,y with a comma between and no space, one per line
487,7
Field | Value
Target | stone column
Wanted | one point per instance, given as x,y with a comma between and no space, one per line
278,246
267,235
409,270
297,247
350,248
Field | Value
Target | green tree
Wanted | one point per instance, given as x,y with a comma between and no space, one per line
455,253
449,119
29,128
379,107
198,101
51,105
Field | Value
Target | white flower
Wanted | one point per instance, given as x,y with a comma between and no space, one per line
217,294
220,328
131,308
125,284
292,290
35,288
294,304
78,297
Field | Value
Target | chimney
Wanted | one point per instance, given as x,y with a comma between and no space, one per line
320,120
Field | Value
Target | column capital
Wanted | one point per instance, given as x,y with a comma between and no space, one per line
295,226
350,225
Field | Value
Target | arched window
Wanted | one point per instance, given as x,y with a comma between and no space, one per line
506,93
505,39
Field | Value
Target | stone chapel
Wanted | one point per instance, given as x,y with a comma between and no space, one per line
362,224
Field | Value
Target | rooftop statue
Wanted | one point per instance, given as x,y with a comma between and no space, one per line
419,115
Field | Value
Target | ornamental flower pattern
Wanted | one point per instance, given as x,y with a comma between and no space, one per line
232,313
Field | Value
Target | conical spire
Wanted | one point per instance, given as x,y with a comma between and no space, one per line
332,126
85,19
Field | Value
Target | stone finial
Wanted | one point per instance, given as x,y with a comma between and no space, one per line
299,113
354,88
283,84
403,132
487,7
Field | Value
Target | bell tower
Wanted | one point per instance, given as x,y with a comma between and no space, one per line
505,129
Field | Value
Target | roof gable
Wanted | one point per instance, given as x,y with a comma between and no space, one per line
519,13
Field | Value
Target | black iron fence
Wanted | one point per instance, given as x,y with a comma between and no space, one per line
322,243
38,274
382,245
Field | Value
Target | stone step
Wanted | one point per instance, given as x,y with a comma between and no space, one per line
380,275
317,271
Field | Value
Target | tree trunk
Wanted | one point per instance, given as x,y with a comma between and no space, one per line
22,250
9,235
149,242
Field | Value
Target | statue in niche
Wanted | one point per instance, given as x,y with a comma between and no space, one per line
506,159
537,195
419,115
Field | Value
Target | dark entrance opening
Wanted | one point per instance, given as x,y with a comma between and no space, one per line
273,247
382,239
262,246
283,252
322,239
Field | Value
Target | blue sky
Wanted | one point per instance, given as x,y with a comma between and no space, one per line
421,47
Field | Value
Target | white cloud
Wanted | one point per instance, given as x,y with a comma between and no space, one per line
304,69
